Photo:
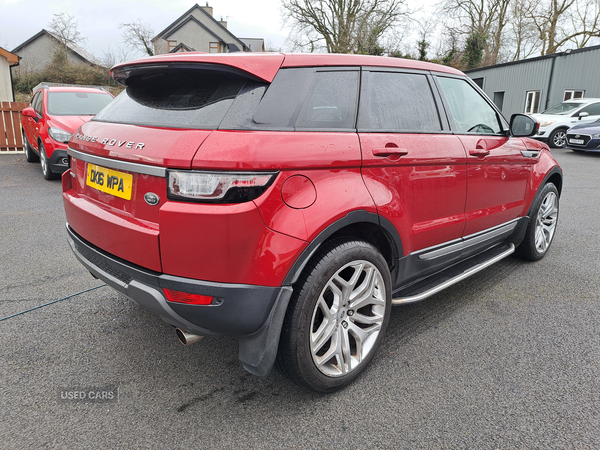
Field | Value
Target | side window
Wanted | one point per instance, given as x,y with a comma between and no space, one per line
308,99
399,102
592,110
471,113
331,101
36,103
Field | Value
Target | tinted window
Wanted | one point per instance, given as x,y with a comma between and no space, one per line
308,99
76,103
175,98
399,102
592,110
331,101
281,104
470,111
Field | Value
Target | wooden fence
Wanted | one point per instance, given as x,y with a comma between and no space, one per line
11,140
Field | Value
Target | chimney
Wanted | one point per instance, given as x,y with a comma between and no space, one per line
208,9
223,22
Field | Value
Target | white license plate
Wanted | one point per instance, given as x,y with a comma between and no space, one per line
575,141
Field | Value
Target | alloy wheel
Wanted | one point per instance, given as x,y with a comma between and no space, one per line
546,222
347,318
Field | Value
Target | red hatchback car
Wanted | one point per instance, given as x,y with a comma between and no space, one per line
291,200
54,114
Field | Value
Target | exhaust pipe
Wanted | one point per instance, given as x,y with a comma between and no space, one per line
187,338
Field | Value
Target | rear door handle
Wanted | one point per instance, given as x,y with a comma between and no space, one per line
389,151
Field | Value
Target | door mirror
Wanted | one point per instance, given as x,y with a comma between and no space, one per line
582,115
29,112
522,125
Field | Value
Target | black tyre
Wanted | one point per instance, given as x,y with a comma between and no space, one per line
542,225
46,171
30,155
337,316
557,138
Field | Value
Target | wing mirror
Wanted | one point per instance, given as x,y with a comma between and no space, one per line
522,125
582,115
29,112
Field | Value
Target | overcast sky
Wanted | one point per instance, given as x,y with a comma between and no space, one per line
98,21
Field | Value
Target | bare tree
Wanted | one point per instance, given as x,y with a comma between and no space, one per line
339,26
525,41
64,27
486,19
138,36
559,22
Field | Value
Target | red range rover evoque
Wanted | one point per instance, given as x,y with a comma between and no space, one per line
290,200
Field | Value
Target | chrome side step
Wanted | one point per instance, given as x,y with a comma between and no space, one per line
467,273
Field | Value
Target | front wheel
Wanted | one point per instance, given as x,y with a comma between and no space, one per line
542,225
30,155
45,163
337,316
557,138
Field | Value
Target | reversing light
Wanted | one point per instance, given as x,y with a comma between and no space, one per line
186,297
217,187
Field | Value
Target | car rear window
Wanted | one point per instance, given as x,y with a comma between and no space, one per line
175,97
77,103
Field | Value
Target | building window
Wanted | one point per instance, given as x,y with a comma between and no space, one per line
499,99
171,46
478,82
213,47
533,102
571,94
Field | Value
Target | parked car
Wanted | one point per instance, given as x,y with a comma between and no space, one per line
555,122
291,200
49,121
584,137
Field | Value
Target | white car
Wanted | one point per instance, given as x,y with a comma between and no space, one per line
555,122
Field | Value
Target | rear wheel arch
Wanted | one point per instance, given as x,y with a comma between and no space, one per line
361,225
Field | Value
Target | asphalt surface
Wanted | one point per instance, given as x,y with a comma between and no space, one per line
508,359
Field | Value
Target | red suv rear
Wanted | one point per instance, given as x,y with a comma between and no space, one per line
290,200
54,114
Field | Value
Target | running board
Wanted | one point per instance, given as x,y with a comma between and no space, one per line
428,287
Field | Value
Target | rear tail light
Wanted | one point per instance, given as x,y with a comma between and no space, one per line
186,297
217,187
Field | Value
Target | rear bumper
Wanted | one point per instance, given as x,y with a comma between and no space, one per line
241,310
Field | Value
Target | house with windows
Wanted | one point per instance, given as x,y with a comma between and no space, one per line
198,30
7,60
36,53
536,84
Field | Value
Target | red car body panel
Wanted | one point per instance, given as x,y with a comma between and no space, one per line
230,244
174,148
497,181
421,192
114,231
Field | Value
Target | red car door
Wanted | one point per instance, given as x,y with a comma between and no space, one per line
31,125
498,166
413,167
